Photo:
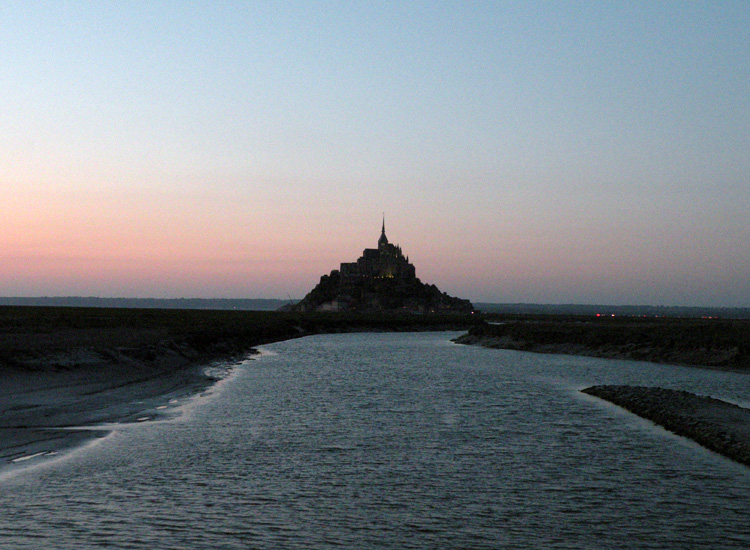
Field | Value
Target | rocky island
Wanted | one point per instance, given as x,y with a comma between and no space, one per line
382,279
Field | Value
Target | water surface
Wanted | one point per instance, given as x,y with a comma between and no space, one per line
396,441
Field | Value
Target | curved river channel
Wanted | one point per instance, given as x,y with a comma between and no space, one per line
365,441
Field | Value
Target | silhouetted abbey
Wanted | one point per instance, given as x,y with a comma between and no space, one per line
384,262
381,279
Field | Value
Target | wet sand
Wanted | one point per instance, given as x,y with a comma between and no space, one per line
62,369
66,367
707,343
42,413
716,425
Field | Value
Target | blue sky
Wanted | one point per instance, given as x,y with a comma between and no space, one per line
589,152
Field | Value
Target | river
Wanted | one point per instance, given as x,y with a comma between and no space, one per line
367,441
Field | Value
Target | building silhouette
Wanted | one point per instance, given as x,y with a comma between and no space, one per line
382,279
387,261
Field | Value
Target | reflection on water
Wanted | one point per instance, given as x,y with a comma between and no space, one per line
396,441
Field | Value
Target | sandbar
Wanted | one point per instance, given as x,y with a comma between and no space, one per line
715,424
48,412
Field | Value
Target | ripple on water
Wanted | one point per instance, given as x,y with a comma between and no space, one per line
394,441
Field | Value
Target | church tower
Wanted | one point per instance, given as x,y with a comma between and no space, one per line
383,240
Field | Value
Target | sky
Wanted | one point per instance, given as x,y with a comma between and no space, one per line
542,152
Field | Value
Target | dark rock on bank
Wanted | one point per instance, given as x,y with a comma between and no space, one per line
716,425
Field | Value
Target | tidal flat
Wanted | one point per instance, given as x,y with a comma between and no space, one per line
64,369
395,440
67,371
707,343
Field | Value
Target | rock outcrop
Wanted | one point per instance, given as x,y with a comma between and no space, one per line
332,294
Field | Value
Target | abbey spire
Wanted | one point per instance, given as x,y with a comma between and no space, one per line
383,240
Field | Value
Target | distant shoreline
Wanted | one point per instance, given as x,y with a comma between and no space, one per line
273,304
707,343
608,310
246,304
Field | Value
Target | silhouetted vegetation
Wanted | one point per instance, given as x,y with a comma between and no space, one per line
604,309
255,304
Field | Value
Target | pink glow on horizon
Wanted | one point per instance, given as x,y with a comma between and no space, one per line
103,252
175,150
